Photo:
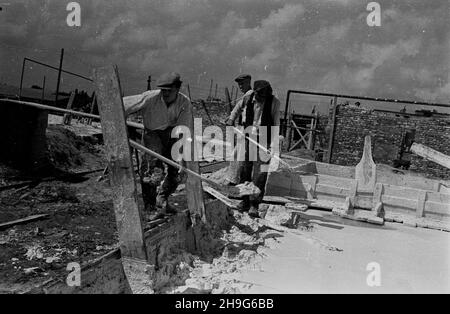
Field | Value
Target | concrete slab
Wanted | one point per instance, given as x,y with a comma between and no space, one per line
411,260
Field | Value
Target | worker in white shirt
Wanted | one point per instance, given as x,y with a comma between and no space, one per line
262,111
235,168
161,110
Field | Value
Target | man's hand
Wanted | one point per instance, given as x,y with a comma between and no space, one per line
229,122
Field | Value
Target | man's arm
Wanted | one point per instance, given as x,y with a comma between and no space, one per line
136,103
237,110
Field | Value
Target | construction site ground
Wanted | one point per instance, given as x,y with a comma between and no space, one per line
319,253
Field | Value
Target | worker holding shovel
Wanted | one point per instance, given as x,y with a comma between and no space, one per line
260,114
236,167
162,110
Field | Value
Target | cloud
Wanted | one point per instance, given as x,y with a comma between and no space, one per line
319,45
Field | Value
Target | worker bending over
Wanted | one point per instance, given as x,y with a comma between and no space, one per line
162,110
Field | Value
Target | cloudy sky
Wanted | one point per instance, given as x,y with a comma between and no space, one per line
320,45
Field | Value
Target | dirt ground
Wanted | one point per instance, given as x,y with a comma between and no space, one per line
80,225
321,253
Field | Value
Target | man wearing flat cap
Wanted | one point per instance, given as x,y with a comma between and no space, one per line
235,168
161,110
261,112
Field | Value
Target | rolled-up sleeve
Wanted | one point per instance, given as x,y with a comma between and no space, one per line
134,103
237,110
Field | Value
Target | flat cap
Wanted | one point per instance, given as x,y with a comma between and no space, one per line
168,80
261,85
243,77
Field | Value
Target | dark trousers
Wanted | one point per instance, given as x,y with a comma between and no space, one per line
156,182
251,171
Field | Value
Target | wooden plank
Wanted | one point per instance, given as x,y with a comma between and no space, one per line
431,154
335,181
392,201
25,220
118,154
302,138
194,191
439,209
67,117
234,204
331,190
403,192
438,197
365,170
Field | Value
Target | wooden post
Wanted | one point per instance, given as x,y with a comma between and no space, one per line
333,122
228,100
67,117
215,94
118,154
59,76
194,193
43,91
93,103
210,91
149,82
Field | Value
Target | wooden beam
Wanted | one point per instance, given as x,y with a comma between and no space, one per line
25,220
194,192
118,154
332,131
67,117
431,154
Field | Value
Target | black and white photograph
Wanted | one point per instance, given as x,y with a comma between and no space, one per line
224,153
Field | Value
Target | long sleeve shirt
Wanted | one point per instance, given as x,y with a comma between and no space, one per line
239,107
258,109
156,114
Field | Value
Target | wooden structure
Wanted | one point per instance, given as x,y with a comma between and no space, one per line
301,131
431,154
364,187
118,154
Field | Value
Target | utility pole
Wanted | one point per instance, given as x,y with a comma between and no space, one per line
43,91
21,79
149,80
210,90
59,76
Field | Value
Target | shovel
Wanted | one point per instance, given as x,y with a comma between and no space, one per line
244,189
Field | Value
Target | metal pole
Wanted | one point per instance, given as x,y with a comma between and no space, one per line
59,76
210,90
55,68
149,86
21,78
